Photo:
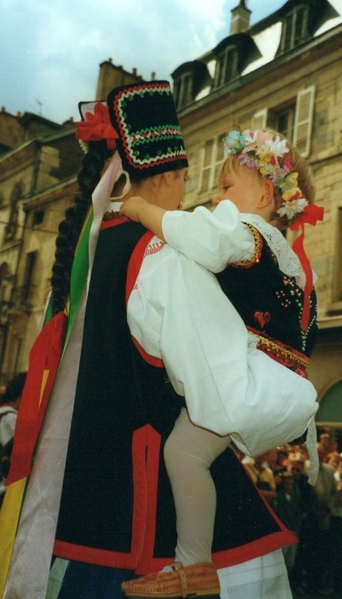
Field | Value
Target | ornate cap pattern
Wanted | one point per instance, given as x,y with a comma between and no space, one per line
150,140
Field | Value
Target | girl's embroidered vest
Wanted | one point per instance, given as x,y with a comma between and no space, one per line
270,303
117,508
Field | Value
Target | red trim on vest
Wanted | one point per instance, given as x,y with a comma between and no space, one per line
145,451
236,555
90,555
134,266
107,224
258,548
152,360
135,261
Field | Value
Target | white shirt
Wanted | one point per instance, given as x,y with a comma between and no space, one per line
214,239
178,313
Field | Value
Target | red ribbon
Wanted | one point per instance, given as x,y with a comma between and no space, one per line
311,215
97,126
44,360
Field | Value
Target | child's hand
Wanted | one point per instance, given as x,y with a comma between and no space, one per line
132,207
140,211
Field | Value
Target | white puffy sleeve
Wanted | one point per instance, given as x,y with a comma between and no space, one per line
178,313
212,239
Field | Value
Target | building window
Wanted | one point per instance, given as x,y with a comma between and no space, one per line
37,218
226,66
5,292
285,122
295,28
183,91
11,227
27,288
212,158
294,120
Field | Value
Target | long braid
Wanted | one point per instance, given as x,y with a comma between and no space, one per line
70,228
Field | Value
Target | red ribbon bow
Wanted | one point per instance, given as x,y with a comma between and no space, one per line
97,126
311,215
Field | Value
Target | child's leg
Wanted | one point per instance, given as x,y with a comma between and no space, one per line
189,452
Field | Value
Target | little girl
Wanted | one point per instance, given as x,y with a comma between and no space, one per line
263,180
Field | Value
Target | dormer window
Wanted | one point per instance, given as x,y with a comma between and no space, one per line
189,80
295,28
182,91
226,66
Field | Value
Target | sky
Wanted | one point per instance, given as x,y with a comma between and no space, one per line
51,49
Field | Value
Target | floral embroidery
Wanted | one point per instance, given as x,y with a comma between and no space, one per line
154,248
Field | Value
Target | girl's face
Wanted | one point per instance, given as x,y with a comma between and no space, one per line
242,186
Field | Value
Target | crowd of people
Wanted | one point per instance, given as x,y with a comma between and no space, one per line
312,513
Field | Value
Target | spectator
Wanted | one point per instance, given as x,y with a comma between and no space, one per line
336,533
305,493
272,459
282,459
333,458
262,475
326,442
9,405
317,540
287,505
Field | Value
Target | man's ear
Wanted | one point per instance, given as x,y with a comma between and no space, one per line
268,193
166,178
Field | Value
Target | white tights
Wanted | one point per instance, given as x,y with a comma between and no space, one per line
189,452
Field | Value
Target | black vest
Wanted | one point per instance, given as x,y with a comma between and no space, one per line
117,507
268,301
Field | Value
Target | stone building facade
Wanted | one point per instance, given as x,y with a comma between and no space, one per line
37,183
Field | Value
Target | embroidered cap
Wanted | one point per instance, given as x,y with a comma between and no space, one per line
149,136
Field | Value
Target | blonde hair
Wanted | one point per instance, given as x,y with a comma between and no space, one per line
299,164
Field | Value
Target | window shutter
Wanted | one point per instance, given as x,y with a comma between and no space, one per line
259,119
212,156
205,164
219,158
303,120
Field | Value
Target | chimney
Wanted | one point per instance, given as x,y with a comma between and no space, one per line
240,18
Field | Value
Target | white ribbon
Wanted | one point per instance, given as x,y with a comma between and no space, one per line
100,197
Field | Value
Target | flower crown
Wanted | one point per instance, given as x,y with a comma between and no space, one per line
264,151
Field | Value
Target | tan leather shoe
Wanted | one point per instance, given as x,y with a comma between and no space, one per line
197,580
